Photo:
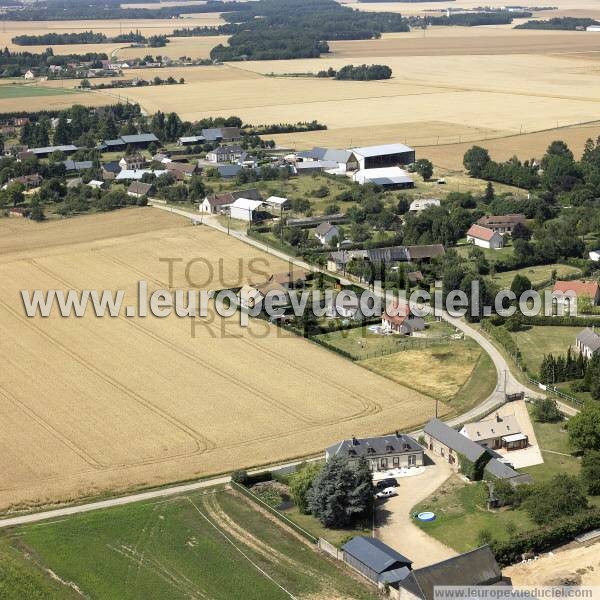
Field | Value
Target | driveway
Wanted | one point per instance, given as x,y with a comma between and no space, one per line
527,457
394,525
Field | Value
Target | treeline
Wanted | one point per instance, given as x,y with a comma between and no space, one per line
284,128
556,369
473,19
14,64
89,37
285,29
127,83
559,23
358,73
67,10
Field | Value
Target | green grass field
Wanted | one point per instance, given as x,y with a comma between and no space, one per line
536,275
203,545
29,91
492,256
537,341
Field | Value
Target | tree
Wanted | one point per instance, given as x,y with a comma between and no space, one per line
590,472
475,160
545,410
562,496
520,284
37,213
424,168
62,134
341,494
489,194
521,232
300,483
584,428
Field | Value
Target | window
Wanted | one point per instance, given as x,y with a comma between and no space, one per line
412,460
384,463
396,461
442,452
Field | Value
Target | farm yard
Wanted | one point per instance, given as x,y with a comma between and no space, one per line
119,403
204,545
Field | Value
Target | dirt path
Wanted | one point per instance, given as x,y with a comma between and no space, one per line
395,527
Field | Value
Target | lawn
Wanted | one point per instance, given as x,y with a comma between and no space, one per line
537,275
462,513
29,91
492,256
440,370
536,341
204,545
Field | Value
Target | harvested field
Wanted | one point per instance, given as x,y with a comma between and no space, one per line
46,98
123,402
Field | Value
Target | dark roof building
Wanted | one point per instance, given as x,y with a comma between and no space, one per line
229,171
78,165
477,567
452,439
48,150
425,252
372,558
499,470
139,189
222,134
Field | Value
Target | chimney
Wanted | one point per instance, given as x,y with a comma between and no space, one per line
354,441
498,419
398,435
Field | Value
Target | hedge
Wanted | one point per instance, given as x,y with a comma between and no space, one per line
545,538
557,321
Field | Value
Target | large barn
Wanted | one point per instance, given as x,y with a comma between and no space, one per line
380,157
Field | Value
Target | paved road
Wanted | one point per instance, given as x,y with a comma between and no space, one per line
494,400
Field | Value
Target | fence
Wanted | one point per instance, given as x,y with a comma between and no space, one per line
330,549
244,490
553,390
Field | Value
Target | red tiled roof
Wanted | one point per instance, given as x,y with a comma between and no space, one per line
397,312
481,233
578,287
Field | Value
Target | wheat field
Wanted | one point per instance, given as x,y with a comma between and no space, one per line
95,404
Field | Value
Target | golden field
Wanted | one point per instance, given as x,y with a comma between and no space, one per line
92,404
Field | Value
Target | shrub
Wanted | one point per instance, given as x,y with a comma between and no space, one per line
240,477
545,410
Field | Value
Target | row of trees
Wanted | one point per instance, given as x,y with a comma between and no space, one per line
358,73
559,23
555,369
89,37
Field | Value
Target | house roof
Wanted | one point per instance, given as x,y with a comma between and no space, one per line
227,198
397,312
51,149
316,164
454,440
276,201
481,233
192,139
137,187
374,554
426,251
130,174
229,170
397,443
500,220
328,154
384,176
578,287
477,567
140,138
394,575
386,149
589,338
112,166
324,228
246,204
497,426
181,167
78,165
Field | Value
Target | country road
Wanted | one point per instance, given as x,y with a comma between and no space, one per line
504,377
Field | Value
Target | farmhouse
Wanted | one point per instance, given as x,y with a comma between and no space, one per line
218,202
345,159
566,293
451,445
224,154
474,568
375,560
497,432
382,453
27,181
377,157
110,170
502,224
398,317
484,237
393,178
133,162
423,204
139,190
325,233
245,209
587,342
181,170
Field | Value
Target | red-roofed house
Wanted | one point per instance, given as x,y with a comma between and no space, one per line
564,291
399,318
484,237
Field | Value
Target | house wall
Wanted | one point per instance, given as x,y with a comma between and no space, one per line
241,214
357,565
442,450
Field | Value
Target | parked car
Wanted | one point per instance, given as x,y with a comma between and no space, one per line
387,493
386,483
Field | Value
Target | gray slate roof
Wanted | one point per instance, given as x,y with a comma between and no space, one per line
388,444
78,165
589,338
478,567
141,138
501,470
328,154
229,170
454,440
374,554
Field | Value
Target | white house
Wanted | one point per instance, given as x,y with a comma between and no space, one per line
587,342
423,204
485,237
398,317
225,154
325,232
244,209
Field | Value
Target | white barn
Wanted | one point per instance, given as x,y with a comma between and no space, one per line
244,209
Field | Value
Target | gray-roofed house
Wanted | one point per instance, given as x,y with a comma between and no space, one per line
382,453
448,443
372,559
588,342
225,154
229,171
499,431
496,469
77,165
477,567
110,170
138,189
191,140
315,166
345,159
325,233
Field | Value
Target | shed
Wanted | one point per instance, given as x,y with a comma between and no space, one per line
387,155
387,177
372,558
244,209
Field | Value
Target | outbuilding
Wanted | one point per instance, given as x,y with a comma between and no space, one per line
393,178
245,209
372,558
388,155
